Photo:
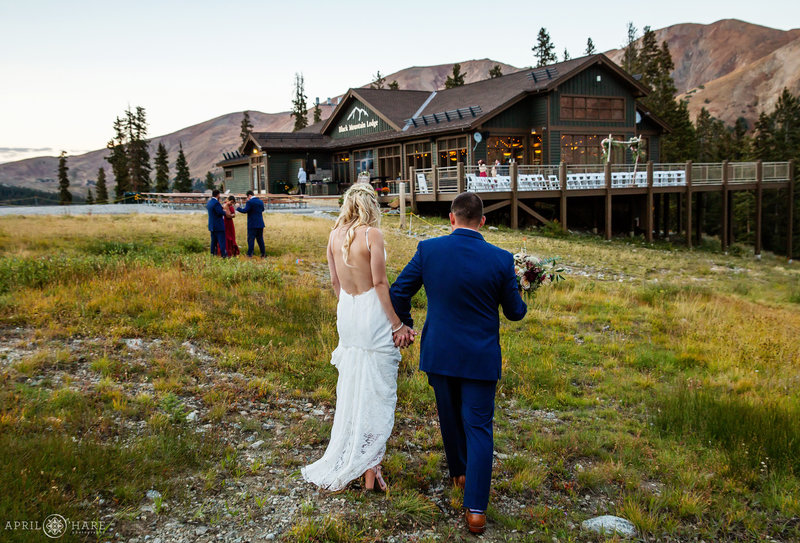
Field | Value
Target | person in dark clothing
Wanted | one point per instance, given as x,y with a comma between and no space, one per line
254,208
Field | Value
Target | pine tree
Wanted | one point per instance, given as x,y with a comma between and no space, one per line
183,180
317,112
299,107
246,127
495,72
378,81
89,197
590,49
211,181
138,150
119,160
162,169
648,62
544,51
64,197
631,51
741,147
456,79
566,55
102,190
394,85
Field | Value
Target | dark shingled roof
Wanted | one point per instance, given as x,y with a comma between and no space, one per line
289,140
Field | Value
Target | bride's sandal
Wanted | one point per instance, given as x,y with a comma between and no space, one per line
372,476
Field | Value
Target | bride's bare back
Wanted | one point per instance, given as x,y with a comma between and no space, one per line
356,276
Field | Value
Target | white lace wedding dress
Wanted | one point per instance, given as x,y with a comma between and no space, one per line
366,392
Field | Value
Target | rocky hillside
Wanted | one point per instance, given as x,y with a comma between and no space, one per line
204,143
731,67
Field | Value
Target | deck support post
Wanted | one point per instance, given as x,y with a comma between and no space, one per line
402,195
435,175
461,178
657,214
689,204
607,172
698,223
513,173
759,202
648,216
562,182
412,181
723,237
790,212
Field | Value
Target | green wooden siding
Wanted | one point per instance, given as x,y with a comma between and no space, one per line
357,120
240,182
654,149
586,84
530,113
555,147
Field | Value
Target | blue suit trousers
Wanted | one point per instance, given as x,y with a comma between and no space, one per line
253,235
466,413
218,241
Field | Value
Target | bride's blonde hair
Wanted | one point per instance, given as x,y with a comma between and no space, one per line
359,208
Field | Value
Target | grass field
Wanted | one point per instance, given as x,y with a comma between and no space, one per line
656,384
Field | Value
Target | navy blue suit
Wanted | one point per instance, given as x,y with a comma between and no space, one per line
216,225
466,280
255,224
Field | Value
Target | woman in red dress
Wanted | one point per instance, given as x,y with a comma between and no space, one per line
230,230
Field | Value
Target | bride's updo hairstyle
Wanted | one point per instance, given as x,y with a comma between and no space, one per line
359,208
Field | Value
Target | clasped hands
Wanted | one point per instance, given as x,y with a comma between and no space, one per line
404,336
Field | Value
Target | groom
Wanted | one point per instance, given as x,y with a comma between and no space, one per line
466,279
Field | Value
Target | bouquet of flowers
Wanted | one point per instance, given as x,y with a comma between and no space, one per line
532,272
384,190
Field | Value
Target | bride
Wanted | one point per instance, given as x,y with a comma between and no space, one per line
366,357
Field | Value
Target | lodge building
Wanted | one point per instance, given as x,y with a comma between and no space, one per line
543,125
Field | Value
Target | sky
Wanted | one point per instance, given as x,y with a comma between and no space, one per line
68,68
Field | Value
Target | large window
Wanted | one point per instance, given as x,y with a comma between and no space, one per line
592,108
506,149
418,155
389,164
536,155
587,149
341,167
363,162
452,151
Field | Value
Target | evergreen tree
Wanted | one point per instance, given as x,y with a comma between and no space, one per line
378,81
648,62
119,160
741,147
162,169
65,197
456,79
299,107
394,85
89,197
211,181
495,72
102,190
590,49
566,55
138,150
246,127
631,51
317,113
183,180
544,50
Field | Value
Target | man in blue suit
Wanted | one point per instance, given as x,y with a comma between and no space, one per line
216,224
466,279
254,208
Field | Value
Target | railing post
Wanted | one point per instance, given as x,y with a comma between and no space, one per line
648,221
513,173
435,176
759,201
562,181
402,195
607,172
461,177
790,212
724,235
689,204
412,182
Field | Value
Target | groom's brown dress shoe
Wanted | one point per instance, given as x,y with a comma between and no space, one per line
460,481
476,522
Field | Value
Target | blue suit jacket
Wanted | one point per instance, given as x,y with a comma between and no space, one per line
216,215
466,279
254,208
